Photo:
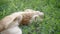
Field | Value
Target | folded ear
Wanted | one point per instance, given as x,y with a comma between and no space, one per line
18,19
10,18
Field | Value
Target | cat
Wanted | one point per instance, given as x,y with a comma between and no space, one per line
10,23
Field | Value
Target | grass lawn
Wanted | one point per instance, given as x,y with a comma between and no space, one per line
51,9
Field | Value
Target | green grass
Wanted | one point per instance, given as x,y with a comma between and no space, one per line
51,9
